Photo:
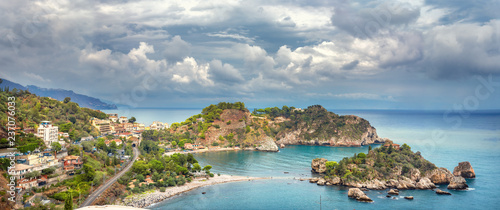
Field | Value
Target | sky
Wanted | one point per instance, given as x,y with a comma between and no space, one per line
407,54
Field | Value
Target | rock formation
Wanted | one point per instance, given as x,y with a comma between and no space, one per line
268,145
405,183
440,176
414,174
393,192
335,181
318,165
465,170
425,183
440,192
458,183
358,195
321,182
409,197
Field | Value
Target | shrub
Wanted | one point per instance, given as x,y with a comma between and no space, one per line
211,175
228,122
162,189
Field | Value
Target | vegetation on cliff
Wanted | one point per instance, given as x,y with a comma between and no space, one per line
31,109
231,124
383,163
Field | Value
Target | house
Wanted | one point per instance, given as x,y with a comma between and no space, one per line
117,141
128,126
72,162
88,138
125,135
29,130
61,134
188,146
42,180
20,170
395,146
27,183
113,118
104,126
47,132
157,125
123,119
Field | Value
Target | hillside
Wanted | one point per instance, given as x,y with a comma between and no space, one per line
31,109
231,124
60,94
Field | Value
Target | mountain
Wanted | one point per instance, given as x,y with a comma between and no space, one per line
60,94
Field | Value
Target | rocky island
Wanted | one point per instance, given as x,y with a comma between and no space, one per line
389,167
231,124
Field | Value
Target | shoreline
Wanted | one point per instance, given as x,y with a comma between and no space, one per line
147,200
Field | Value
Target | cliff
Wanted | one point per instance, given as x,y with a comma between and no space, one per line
228,124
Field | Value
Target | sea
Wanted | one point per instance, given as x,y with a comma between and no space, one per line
474,137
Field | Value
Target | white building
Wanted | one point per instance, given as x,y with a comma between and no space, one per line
48,132
156,125
123,119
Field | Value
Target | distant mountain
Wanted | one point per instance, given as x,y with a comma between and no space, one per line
60,94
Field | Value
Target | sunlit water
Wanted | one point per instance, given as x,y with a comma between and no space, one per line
476,139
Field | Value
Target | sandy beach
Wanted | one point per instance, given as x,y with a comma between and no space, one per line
145,200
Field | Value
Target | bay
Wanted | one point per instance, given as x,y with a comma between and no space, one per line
476,139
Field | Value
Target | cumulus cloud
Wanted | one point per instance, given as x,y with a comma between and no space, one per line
246,49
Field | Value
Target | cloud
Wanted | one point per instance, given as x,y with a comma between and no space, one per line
350,65
276,50
36,77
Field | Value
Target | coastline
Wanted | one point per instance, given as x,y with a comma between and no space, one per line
146,200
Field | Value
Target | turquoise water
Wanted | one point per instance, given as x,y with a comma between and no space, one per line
476,139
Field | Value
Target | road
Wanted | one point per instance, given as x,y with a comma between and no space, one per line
110,182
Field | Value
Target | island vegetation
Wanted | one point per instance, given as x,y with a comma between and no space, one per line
232,125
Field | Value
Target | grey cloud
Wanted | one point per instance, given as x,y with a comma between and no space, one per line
224,73
350,65
367,21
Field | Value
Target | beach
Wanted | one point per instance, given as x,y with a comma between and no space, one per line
145,200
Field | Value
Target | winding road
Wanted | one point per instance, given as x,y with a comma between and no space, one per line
110,182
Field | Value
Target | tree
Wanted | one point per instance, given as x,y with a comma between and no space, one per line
89,173
132,120
87,145
68,204
207,168
369,148
56,147
156,165
140,167
72,119
196,167
67,99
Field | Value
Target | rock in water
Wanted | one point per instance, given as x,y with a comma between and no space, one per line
409,197
440,176
465,170
393,192
405,183
358,195
314,180
268,145
440,192
321,182
282,145
425,183
458,183
318,165
335,181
